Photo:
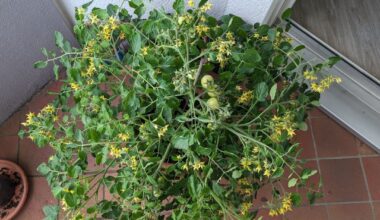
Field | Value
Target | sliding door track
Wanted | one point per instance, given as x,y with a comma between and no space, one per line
355,102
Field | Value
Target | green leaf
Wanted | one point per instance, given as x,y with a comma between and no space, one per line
135,42
298,48
333,60
261,91
56,72
51,212
191,186
58,39
273,91
136,3
86,5
236,174
251,56
203,151
292,182
302,126
307,173
44,52
100,13
179,6
183,142
316,103
43,169
74,171
70,199
40,64
296,199
286,14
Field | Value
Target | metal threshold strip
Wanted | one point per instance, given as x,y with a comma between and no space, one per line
355,103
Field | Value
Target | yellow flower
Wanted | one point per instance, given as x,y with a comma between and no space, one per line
245,206
29,119
144,51
258,169
200,29
74,86
267,173
230,36
81,11
48,109
113,22
106,32
90,70
273,213
206,7
31,137
283,207
185,167
136,200
115,152
246,97
256,35
265,38
191,3
123,137
162,131
122,36
246,163
256,149
325,83
309,75
198,165
94,19
134,163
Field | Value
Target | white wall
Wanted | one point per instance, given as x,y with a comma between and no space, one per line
25,27
250,10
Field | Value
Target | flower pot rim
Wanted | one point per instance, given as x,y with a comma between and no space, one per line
14,167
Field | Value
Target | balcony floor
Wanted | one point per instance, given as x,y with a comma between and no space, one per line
348,167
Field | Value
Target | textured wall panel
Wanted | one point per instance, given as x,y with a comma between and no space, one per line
25,27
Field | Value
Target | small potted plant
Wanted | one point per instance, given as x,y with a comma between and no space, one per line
13,189
185,116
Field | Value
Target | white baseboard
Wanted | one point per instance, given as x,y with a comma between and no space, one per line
355,102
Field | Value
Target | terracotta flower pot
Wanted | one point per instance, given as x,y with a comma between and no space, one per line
14,181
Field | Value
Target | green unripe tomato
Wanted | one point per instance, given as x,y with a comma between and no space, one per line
212,92
213,103
206,81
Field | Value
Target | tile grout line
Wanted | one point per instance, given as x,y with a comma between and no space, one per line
317,160
343,157
367,187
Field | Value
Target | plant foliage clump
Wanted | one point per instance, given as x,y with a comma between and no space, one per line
178,116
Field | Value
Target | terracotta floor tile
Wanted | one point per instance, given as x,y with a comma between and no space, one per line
40,100
30,156
343,180
332,140
372,170
306,143
350,212
309,213
317,113
364,149
376,207
39,196
9,148
12,124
